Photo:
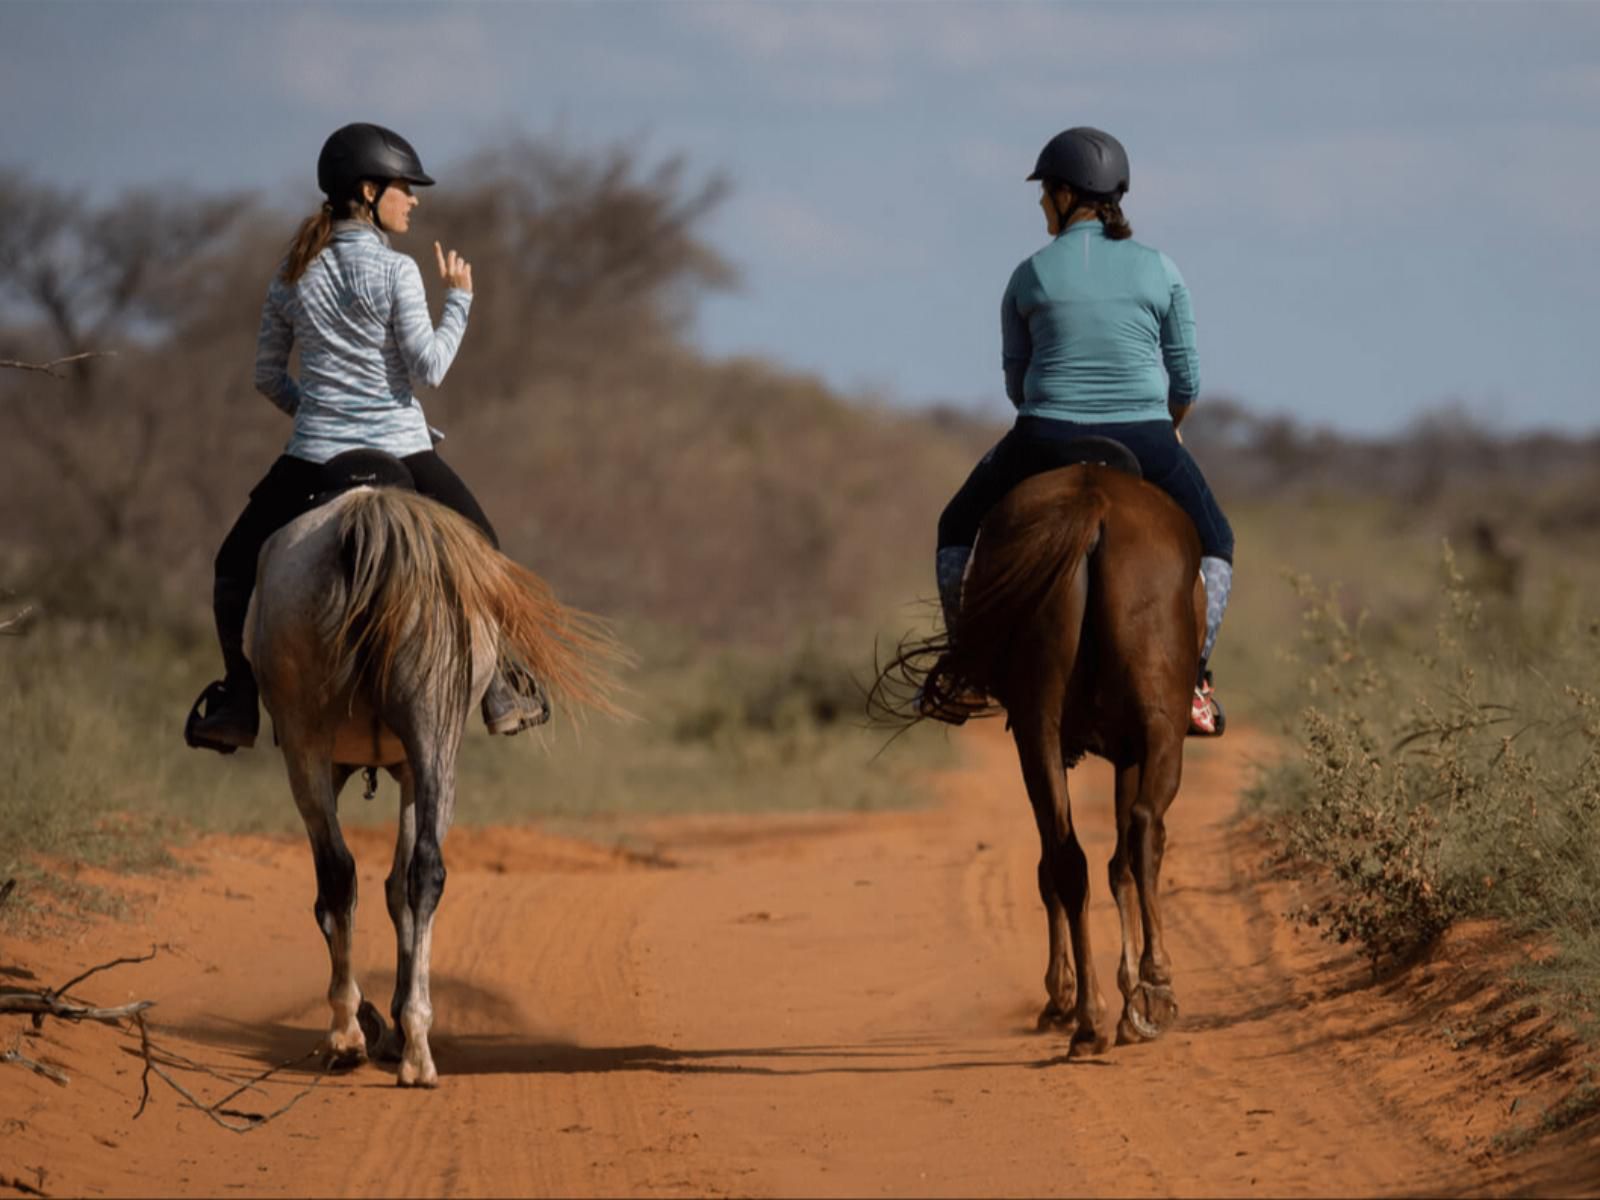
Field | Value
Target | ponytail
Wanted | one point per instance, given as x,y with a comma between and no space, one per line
312,237
1110,213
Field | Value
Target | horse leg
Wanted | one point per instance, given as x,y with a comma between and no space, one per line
1059,982
1150,1003
315,783
1065,869
395,893
1132,1027
433,771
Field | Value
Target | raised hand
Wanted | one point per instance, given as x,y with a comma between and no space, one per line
454,270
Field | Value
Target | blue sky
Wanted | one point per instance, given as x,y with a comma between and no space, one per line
1379,207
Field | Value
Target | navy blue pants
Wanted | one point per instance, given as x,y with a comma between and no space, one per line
1033,447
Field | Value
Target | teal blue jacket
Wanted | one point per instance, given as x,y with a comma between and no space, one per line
1098,331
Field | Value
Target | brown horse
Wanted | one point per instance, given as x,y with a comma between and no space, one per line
1082,616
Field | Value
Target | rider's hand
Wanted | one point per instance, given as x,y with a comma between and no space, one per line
455,270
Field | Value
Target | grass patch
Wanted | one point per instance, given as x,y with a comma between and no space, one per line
93,769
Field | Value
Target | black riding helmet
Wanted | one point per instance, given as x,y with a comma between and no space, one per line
365,151
1088,160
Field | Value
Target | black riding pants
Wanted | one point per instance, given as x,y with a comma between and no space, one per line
1033,446
288,491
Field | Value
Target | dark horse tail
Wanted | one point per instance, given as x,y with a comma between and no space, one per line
1027,554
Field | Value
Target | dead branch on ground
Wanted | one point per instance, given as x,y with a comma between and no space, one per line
217,1110
16,623
53,1002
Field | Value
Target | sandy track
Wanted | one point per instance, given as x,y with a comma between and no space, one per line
831,1005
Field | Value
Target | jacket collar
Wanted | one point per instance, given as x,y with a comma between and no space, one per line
352,228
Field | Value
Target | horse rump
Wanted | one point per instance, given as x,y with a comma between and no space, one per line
1029,548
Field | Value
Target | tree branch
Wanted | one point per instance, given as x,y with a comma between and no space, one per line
49,368
42,1004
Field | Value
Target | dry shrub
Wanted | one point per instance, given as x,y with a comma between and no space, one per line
1456,777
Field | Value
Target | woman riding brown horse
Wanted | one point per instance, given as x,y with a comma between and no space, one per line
1083,619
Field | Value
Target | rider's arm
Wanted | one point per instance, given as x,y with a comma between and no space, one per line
1016,343
273,342
428,352
1178,345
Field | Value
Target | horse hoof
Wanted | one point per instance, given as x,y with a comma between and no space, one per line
1160,1006
1052,1017
340,1061
392,1048
1088,1042
410,1076
372,1024
1129,1032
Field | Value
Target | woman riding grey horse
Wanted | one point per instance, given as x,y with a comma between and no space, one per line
1098,341
358,310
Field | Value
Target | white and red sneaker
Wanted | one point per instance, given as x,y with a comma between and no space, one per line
1205,713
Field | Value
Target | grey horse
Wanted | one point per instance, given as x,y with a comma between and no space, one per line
376,625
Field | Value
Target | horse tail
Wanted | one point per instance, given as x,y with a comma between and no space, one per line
1028,554
420,578
1032,554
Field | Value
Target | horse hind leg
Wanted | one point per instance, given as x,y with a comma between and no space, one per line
1133,1025
315,782
1064,884
1059,981
396,893
1144,977
432,758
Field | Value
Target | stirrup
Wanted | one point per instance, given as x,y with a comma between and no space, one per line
1206,718
531,710
212,700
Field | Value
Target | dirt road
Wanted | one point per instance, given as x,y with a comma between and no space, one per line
833,1005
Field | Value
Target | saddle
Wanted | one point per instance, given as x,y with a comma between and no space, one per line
1098,452
359,468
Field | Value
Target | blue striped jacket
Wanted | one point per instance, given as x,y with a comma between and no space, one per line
361,318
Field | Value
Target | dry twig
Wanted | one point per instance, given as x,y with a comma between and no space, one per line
15,1055
53,1003
216,1110
49,368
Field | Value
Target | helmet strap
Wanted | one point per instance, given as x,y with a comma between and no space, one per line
372,205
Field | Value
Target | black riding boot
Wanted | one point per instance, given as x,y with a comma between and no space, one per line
515,701
232,714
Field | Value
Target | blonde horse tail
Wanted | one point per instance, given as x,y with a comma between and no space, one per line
421,578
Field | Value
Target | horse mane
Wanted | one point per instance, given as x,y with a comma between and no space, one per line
420,577
1030,547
